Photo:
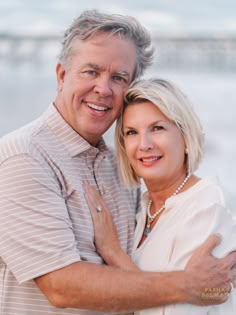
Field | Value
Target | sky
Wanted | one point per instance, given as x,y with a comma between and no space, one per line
175,17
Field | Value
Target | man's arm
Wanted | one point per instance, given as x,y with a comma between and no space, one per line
104,288
81,284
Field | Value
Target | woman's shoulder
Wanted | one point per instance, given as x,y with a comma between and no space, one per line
207,191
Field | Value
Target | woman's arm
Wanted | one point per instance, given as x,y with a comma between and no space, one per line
106,238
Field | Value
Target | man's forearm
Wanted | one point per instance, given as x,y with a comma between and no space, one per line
103,288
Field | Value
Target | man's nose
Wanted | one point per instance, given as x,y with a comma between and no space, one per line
103,86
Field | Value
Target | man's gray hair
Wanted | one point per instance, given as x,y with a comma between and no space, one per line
92,22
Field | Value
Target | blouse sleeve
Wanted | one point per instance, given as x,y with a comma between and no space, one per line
195,230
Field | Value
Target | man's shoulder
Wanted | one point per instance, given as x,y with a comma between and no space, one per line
21,141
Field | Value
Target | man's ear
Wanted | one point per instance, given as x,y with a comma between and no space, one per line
60,72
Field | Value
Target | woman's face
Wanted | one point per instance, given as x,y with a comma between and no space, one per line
154,145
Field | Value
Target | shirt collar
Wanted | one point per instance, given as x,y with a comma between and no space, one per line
74,143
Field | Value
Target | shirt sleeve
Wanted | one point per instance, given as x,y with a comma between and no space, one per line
36,235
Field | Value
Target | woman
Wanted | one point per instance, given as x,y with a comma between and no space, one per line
159,140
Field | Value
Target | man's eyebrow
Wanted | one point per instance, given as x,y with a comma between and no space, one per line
96,66
93,65
125,73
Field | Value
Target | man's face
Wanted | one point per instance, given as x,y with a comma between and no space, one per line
91,91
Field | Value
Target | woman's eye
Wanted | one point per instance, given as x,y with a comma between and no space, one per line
156,128
130,132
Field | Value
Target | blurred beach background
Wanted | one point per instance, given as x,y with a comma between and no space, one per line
195,47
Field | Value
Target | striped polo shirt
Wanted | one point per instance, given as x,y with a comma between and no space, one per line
45,223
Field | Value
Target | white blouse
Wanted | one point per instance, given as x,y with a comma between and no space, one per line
188,219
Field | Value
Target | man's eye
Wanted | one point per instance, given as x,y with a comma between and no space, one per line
120,79
91,72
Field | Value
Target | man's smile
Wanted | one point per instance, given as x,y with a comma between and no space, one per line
98,108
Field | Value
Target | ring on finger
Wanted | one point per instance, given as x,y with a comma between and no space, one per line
99,208
231,287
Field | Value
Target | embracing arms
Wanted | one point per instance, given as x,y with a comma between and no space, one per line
90,286
123,287
83,284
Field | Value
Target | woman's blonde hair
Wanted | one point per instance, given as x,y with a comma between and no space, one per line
175,106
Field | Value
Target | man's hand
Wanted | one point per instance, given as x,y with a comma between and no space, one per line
211,277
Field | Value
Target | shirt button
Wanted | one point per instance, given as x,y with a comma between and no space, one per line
103,190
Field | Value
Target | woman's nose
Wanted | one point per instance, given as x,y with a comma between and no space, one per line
145,143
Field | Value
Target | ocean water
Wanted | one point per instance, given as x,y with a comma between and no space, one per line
27,88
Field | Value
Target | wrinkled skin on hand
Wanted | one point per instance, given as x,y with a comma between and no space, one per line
213,275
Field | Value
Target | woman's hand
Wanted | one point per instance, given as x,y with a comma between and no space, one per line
106,238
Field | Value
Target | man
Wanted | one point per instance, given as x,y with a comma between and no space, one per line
49,264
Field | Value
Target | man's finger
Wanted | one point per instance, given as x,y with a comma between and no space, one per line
230,259
211,242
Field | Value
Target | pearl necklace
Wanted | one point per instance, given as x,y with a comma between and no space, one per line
150,217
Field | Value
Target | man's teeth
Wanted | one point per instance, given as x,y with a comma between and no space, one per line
100,108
